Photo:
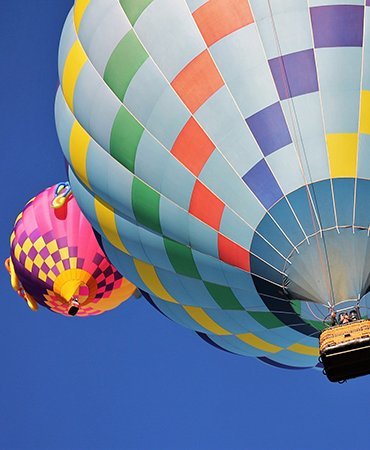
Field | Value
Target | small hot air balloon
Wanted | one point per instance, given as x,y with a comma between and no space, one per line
56,260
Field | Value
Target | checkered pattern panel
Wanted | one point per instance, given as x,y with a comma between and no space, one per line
233,131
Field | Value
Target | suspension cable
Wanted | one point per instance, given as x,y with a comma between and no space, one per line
293,114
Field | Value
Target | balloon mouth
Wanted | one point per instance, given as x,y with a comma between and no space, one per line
75,284
331,267
75,289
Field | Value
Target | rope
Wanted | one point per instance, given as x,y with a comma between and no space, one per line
313,213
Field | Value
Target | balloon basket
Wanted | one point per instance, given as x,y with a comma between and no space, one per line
345,350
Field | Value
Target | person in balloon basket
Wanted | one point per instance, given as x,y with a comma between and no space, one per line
74,306
344,318
333,319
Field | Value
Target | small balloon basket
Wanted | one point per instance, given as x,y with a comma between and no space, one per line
345,350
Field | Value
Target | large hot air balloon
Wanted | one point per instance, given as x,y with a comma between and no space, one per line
221,149
56,261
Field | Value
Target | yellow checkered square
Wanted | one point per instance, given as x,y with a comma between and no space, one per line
49,261
73,262
28,264
64,253
39,244
38,260
27,245
52,247
60,266
17,251
51,275
42,275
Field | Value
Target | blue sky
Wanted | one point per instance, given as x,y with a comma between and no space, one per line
130,379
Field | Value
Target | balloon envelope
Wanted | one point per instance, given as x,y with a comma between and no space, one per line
56,257
221,150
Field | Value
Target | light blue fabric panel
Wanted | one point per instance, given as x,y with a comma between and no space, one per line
228,131
250,300
232,190
109,179
341,111
202,237
246,349
306,110
174,222
241,53
95,105
261,8
339,72
209,268
154,249
335,2
344,199
289,31
104,109
366,62
194,233
151,160
315,159
290,335
177,182
306,122
362,202
234,321
178,314
234,345
102,27
309,341
284,165
275,336
363,165
266,253
238,278
144,91
176,286
275,236
294,359
252,211
195,4
318,309
176,41
339,68
168,118
64,121
67,39
322,199
130,237
303,210
283,215
196,292
236,229
91,19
